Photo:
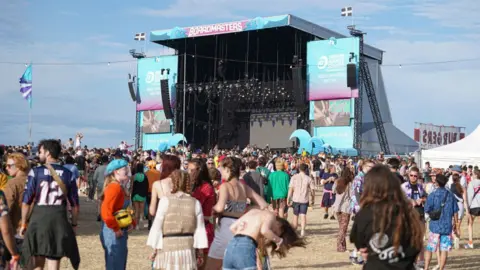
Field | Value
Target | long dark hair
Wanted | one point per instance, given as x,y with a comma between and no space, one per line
345,179
456,182
170,163
201,174
383,194
290,240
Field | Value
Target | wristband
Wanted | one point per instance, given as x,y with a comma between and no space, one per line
74,225
15,258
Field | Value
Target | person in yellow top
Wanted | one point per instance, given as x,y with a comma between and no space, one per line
215,159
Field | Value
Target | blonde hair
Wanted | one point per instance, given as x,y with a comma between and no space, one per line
108,179
180,182
280,164
20,162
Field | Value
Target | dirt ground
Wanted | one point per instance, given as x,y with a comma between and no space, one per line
320,253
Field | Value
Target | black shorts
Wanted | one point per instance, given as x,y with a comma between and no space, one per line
299,208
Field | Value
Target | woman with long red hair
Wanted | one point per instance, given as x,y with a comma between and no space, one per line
387,229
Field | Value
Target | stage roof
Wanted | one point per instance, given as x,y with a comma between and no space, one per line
256,24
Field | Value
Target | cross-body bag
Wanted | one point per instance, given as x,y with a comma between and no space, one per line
436,214
57,179
475,211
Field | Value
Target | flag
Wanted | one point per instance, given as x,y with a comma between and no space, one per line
347,12
26,85
140,36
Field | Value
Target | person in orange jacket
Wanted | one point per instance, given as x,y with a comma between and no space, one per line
113,236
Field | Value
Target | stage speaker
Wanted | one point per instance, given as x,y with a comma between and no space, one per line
352,76
166,99
132,91
298,89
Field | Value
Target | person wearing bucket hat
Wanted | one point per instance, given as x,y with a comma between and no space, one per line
114,233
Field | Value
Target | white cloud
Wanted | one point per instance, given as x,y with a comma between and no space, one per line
457,13
236,9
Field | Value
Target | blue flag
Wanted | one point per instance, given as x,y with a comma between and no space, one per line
26,85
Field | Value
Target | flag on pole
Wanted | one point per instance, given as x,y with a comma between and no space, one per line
347,12
140,36
26,85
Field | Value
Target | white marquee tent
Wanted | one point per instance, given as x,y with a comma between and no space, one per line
465,151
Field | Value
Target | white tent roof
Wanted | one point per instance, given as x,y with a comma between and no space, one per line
465,151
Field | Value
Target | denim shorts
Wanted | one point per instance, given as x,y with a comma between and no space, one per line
241,253
299,208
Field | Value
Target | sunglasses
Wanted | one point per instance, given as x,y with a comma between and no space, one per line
414,175
209,163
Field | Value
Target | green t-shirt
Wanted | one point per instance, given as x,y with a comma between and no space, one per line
278,182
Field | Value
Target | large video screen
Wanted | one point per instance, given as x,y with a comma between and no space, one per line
327,68
149,77
327,113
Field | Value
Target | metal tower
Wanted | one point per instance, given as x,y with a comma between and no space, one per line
365,83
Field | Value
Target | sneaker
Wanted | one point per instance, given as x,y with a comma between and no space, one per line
325,216
332,218
417,267
436,267
355,261
468,246
302,233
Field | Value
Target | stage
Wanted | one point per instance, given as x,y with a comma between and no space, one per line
246,82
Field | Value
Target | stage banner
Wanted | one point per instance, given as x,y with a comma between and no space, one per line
153,141
220,28
327,68
430,136
149,74
336,137
327,113
155,122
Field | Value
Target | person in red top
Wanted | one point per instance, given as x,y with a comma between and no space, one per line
204,192
113,237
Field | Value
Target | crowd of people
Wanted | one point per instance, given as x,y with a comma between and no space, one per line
228,209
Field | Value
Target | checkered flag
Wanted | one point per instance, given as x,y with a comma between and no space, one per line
140,36
347,12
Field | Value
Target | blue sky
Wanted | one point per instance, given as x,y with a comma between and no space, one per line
94,99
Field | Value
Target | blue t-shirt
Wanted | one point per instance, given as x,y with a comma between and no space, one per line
43,190
442,226
73,169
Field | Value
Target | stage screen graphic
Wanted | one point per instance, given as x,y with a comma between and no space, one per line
326,113
272,129
148,78
327,68
336,137
154,122
153,141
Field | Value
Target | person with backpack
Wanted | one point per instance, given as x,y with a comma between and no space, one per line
473,205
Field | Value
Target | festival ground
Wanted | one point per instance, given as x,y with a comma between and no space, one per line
320,253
